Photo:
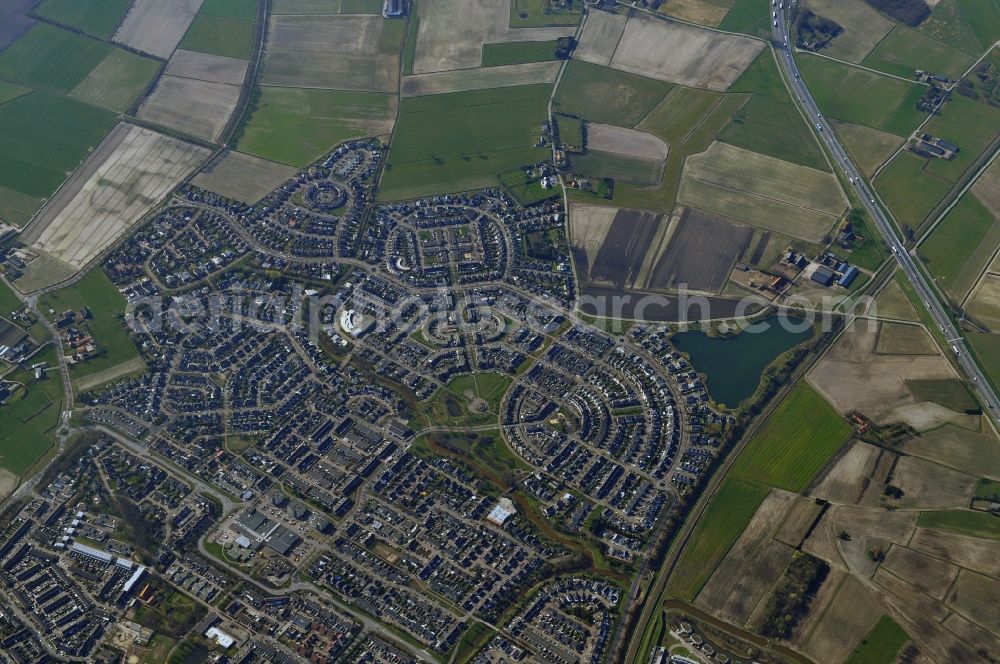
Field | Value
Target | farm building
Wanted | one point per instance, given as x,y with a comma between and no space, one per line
848,277
823,275
394,8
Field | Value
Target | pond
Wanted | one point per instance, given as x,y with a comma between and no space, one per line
733,365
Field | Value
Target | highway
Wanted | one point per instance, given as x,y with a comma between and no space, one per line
885,226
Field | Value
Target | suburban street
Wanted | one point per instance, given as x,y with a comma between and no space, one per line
886,227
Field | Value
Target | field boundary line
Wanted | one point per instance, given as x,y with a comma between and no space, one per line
860,66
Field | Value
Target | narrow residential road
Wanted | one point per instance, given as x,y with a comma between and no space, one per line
932,301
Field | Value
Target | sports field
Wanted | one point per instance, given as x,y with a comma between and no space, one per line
727,515
95,17
297,126
602,94
797,440
44,137
96,292
463,140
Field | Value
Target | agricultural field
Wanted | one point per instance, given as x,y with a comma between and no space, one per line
25,423
439,143
726,517
95,17
625,98
963,522
750,17
797,440
966,551
903,339
518,53
45,137
752,566
971,125
770,123
983,303
971,451
219,35
869,148
50,58
618,258
96,292
627,155
961,246
479,79
122,180
296,126
532,14
927,485
243,177
892,302
905,49
856,477
849,613
910,191
853,377
864,27
450,33
677,52
350,52
198,108
810,200
702,12
950,393
881,645
859,96
156,27
927,574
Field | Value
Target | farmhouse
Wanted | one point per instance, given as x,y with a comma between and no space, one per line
822,275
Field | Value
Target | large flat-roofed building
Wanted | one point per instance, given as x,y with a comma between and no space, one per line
394,8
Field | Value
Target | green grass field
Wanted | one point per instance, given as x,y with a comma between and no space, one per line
540,13
797,440
219,35
605,95
906,117
949,392
622,168
463,140
987,349
96,292
51,58
904,50
241,9
516,53
10,91
948,25
857,95
761,78
909,191
361,7
679,113
118,81
297,126
774,127
983,18
749,17
8,300
44,138
882,645
727,515
948,250
24,425
963,522
969,124
95,17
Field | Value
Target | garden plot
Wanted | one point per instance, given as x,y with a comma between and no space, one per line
129,173
156,26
